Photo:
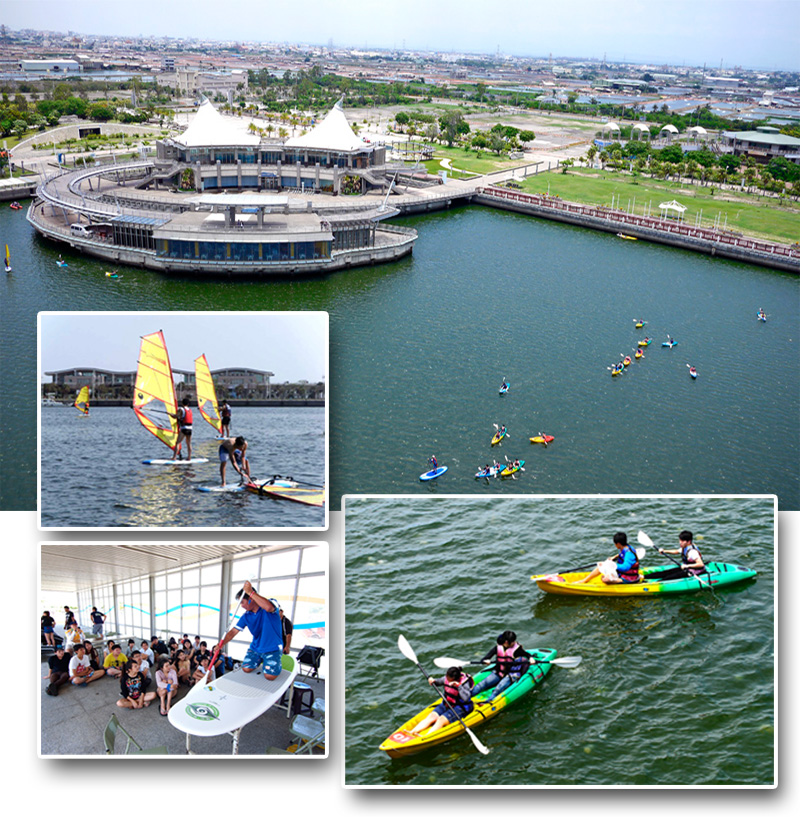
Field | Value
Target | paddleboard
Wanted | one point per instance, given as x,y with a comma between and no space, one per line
194,461
437,472
293,492
230,702
221,489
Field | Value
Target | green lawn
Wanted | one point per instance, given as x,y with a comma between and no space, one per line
746,213
473,161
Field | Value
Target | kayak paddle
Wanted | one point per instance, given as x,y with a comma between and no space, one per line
568,662
644,539
409,653
640,554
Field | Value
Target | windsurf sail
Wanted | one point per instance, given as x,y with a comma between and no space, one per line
154,399
206,394
82,400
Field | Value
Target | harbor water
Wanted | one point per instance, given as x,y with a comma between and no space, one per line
93,476
672,690
419,348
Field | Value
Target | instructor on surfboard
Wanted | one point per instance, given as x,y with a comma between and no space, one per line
264,622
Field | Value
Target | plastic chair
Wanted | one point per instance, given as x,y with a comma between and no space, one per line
110,739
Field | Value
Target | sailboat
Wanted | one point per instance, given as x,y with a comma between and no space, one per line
154,398
82,401
8,259
206,394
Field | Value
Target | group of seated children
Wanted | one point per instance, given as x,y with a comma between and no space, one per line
177,664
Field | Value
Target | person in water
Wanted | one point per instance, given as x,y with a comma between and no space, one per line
184,418
225,418
511,662
692,563
228,449
457,690
625,567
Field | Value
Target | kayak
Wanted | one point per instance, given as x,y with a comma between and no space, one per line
511,469
639,353
693,373
504,388
670,345
491,471
436,472
627,361
761,317
719,574
401,742
498,436
645,342
545,439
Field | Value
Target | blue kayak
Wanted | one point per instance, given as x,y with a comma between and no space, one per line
670,345
437,472
504,388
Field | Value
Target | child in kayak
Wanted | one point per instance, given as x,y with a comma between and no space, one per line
511,663
458,693
619,569
692,563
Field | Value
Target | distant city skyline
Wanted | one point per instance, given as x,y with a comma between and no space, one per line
752,34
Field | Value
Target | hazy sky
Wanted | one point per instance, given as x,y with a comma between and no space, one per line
751,33
293,345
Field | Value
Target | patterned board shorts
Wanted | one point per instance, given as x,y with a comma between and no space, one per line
271,661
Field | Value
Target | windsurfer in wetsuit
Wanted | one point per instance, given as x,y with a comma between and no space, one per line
627,565
184,418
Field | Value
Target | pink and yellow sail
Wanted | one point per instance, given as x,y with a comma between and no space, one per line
206,394
154,398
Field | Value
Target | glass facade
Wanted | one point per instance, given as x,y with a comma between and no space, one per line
188,599
244,251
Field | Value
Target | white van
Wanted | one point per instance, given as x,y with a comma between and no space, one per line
79,229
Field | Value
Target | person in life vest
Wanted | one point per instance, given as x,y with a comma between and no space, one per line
692,563
511,662
620,569
184,418
457,690
225,417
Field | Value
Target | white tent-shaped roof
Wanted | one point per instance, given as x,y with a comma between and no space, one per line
210,128
610,126
672,205
698,129
669,128
333,133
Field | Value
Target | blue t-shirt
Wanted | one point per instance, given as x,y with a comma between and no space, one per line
265,628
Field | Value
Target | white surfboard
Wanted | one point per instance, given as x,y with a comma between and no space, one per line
221,489
194,461
230,702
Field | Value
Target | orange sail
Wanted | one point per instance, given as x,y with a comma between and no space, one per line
154,399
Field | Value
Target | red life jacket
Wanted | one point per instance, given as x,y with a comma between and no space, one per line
452,688
187,416
632,573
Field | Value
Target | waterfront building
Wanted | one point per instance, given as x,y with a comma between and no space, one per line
763,143
234,214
